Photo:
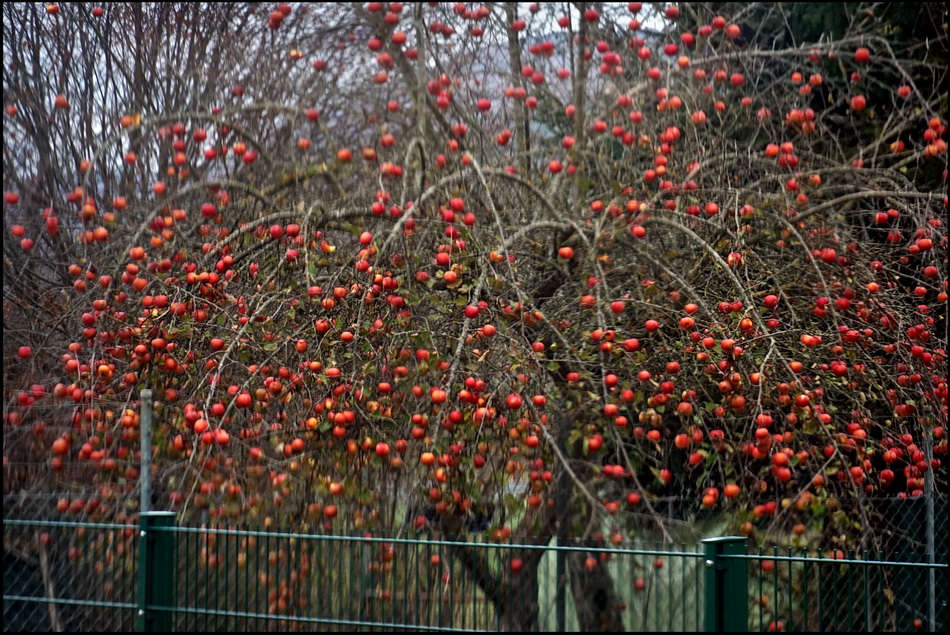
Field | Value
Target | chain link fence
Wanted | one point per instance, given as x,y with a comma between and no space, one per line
894,582
60,577
64,573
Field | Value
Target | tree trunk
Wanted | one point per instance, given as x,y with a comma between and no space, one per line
518,610
595,600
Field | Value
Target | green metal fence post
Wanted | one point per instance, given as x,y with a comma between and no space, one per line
727,593
156,571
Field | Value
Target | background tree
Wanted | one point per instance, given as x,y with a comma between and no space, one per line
471,268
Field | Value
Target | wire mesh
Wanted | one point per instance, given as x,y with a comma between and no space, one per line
72,574
67,576
898,584
266,581
843,590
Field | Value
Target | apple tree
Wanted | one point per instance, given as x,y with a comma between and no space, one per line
577,270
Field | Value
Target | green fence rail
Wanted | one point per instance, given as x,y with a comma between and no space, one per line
161,576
